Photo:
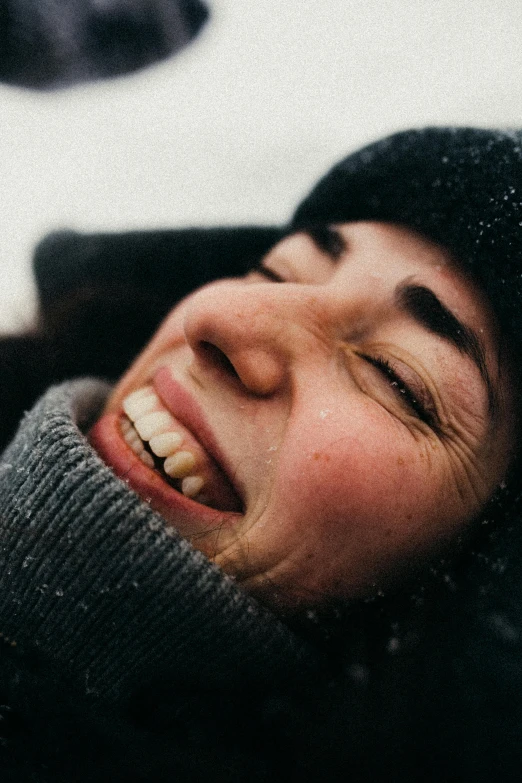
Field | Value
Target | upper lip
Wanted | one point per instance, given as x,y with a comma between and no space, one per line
187,411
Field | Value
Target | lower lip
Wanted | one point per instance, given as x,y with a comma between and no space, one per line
186,515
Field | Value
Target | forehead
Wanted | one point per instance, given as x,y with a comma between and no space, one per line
401,251
387,253
394,246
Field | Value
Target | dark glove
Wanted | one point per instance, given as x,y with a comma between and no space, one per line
55,43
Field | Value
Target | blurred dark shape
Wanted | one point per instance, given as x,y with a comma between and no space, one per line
47,44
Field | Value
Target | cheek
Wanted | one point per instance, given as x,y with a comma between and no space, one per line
349,472
169,336
344,518
365,500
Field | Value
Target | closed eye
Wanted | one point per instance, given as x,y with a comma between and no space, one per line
403,391
268,273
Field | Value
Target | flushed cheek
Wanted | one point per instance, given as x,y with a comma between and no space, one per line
343,477
353,534
339,536
349,514
361,490
362,449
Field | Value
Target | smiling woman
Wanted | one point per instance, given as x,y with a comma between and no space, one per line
348,367
268,550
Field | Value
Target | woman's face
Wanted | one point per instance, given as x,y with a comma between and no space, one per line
336,417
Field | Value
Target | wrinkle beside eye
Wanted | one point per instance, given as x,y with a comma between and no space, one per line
466,474
464,420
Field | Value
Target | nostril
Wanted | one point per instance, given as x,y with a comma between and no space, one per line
216,356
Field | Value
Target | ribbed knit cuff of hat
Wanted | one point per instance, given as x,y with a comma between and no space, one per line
92,581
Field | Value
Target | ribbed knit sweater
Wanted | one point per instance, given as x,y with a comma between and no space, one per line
124,653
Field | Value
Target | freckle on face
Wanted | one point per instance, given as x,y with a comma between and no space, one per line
355,479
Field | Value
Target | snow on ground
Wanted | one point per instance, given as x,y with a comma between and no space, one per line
237,127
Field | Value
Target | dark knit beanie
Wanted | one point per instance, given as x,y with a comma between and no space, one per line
459,187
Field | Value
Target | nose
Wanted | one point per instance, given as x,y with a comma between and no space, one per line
254,333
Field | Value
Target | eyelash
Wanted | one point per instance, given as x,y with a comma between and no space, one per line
403,390
268,273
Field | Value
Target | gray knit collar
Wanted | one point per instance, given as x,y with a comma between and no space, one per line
91,578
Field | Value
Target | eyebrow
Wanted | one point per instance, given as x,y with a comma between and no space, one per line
421,304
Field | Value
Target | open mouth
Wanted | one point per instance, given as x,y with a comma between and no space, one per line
179,466
164,445
170,460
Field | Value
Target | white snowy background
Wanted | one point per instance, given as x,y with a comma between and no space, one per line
237,127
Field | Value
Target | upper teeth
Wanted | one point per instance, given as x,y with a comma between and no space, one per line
165,444
140,402
154,424
179,465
